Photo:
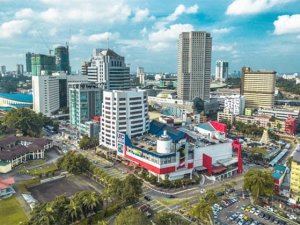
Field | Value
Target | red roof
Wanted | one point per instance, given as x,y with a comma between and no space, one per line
6,182
218,169
219,126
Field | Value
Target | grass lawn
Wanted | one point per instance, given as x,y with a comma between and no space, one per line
10,212
42,169
23,185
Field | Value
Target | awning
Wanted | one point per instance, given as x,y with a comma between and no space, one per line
219,169
200,168
227,162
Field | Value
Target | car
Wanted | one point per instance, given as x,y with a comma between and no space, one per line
241,216
267,217
275,221
262,215
246,218
220,193
171,196
147,198
243,207
272,219
247,210
257,212
252,210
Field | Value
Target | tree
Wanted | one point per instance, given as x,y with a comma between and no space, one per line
74,210
74,163
131,188
211,197
203,212
131,216
259,183
169,219
198,105
84,142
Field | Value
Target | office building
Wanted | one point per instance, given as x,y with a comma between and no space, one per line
62,60
19,69
194,65
295,175
84,68
235,104
90,128
28,62
85,102
125,112
258,87
42,64
109,70
140,73
221,71
3,70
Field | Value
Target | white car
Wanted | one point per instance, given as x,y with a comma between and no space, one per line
257,212
241,216
252,210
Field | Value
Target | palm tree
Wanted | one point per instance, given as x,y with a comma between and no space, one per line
211,197
203,212
74,210
91,201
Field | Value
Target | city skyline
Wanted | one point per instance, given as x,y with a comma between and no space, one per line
245,32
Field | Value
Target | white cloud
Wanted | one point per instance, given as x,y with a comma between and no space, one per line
243,7
85,11
93,38
24,13
287,24
141,15
298,36
180,9
144,31
222,48
171,33
224,30
12,28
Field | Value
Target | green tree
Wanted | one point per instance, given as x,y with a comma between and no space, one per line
132,188
198,105
169,219
131,216
211,197
203,212
74,163
259,183
85,142
74,210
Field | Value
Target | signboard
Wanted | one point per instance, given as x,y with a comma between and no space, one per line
120,148
136,152
121,138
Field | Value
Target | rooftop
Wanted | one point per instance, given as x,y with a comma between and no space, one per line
17,97
6,182
296,156
278,172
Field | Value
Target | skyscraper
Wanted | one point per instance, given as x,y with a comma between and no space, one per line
141,75
42,64
28,62
194,65
62,60
84,67
221,71
109,70
20,69
258,87
3,70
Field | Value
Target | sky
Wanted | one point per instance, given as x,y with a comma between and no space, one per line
262,34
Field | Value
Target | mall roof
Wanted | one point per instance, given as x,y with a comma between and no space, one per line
17,97
6,182
157,128
206,126
278,171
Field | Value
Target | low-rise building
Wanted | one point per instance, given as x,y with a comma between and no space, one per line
278,175
295,176
226,115
6,187
15,150
90,128
10,101
280,113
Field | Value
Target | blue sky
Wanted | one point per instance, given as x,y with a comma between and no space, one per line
262,34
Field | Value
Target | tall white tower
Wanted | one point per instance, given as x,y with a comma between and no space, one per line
141,75
194,65
221,71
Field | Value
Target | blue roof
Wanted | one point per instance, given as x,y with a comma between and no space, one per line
21,105
157,128
278,157
278,171
207,126
5,108
17,97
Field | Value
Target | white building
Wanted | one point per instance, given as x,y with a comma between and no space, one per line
109,69
280,113
235,104
290,76
20,69
221,71
194,65
140,73
124,112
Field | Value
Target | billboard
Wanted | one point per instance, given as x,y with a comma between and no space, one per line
121,138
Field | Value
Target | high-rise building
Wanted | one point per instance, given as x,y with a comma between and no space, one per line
3,70
221,71
84,67
42,64
295,174
258,87
85,101
109,70
194,65
235,104
125,112
141,75
62,60
28,62
20,69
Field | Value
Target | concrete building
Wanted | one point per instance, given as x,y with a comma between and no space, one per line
278,175
85,101
235,104
258,87
226,115
109,70
84,68
42,64
15,100
28,62
90,128
295,174
194,65
62,59
6,187
280,113
20,69
140,73
125,112
221,71
3,70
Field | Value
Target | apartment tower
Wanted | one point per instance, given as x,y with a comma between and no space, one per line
194,65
